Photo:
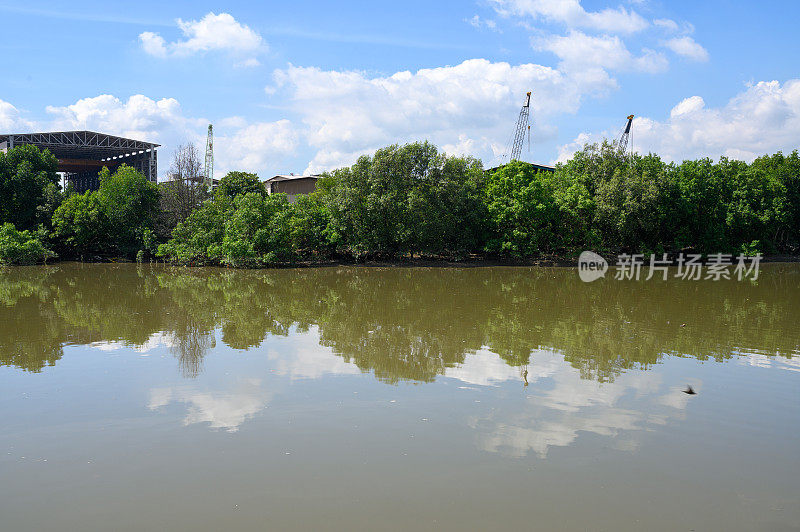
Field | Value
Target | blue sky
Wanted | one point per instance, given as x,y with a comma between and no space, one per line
308,86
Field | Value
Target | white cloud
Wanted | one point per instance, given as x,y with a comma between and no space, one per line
687,47
212,32
763,119
139,117
579,51
257,147
252,147
11,120
478,22
471,104
153,44
572,14
248,63
688,105
667,24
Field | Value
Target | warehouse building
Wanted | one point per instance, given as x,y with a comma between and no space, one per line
292,185
82,154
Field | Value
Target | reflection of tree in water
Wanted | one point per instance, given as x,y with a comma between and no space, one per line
190,346
399,323
31,332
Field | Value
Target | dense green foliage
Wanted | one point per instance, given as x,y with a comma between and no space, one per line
645,204
21,247
117,219
247,230
235,183
412,201
407,199
28,186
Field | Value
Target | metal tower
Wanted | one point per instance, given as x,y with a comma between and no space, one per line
522,127
626,135
209,168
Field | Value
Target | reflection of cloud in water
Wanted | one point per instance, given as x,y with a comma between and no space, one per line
764,361
485,368
300,356
156,340
227,410
555,417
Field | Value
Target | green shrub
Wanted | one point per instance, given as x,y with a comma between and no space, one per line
21,247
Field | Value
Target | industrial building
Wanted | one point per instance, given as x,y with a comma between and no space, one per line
292,185
82,154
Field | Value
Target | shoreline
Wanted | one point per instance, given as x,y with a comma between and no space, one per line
472,262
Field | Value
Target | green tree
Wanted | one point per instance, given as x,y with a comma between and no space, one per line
236,183
28,185
198,238
130,202
257,231
81,226
635,207
308,226
405,199
522,211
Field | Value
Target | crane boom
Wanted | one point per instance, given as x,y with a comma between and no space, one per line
626,135
209,163
521,128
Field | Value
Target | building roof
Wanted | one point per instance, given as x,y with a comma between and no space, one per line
288,177
80,144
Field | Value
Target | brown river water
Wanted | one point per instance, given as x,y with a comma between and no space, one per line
349,398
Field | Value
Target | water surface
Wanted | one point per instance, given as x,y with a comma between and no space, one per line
148,397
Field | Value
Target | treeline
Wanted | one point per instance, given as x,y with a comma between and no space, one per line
409,201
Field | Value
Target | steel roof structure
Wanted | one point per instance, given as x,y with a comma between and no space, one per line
80,144
82,154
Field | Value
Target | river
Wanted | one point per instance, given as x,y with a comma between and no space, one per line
406,398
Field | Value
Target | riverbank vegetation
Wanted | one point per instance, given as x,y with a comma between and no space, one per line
406,202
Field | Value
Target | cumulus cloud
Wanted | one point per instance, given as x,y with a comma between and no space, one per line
137,117
11,119
470,105
242,145
255,147
213,32
764,118
687,47
579,51
573,15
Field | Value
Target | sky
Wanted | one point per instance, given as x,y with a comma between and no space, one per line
308,86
